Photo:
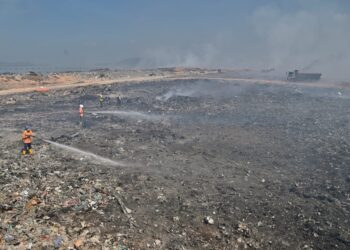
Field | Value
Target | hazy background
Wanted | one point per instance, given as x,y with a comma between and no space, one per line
284,34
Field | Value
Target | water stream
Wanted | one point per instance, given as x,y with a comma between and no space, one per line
88,154
133,115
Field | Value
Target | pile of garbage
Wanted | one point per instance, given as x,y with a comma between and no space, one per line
43,205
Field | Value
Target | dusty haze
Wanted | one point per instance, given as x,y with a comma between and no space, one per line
284,35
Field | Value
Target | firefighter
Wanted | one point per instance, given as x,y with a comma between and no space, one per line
119,101
27,136
101,99
81,114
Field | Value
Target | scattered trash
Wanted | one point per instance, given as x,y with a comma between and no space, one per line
58,242
70,202
209,220
244,230
157,242
9,238
78,244
161,198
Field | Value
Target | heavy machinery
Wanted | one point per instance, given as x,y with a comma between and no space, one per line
296,76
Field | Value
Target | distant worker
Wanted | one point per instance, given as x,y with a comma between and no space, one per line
101,99
81,113
119,101
27,136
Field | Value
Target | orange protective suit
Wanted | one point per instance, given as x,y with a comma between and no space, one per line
27,136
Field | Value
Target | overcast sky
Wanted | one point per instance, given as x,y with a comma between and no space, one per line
283,34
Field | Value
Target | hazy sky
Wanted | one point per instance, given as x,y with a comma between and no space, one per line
215,33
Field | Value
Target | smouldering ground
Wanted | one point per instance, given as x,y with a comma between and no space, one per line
268,164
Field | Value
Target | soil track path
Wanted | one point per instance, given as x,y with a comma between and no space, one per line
144,79
81,84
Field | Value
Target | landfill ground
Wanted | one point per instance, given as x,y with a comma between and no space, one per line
197,164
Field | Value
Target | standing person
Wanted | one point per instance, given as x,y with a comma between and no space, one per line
119,101
101,99
27,136
81,113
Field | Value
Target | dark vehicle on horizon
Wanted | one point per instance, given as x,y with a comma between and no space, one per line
296,76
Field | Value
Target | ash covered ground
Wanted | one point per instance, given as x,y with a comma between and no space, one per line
199,165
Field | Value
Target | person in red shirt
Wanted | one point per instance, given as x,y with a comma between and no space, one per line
81,114
81,111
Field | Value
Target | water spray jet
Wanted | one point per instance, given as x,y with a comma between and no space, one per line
81,152
133,115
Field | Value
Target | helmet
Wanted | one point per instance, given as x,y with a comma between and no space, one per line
27,127
81,105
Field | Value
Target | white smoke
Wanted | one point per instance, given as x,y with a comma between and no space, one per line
313,36
204,89
316,37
